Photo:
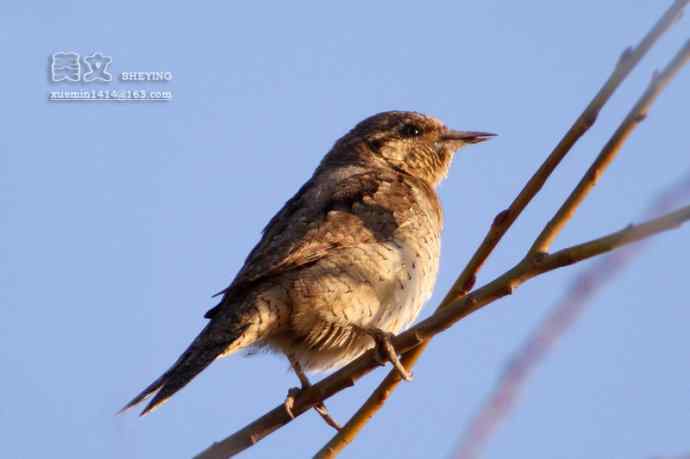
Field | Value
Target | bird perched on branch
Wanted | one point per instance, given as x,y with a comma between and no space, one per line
347,262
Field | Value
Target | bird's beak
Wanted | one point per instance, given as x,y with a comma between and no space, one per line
466,136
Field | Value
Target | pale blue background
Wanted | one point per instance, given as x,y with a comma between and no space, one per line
120,220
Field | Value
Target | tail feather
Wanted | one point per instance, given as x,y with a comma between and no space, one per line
239,324
146,393
181,375
200,354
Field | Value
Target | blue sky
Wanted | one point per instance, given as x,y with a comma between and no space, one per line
121,219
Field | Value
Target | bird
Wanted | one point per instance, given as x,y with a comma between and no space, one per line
345,264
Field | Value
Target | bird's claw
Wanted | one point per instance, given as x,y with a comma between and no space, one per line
290,400
326,416
385,352
319,407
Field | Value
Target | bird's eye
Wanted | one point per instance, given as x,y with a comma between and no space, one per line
410,130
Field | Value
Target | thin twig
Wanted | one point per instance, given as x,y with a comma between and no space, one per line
454,306
504,220
608,153
528,268
561,318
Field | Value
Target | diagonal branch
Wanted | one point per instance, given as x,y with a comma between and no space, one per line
561,318
505,219
455,305
530,267
610,150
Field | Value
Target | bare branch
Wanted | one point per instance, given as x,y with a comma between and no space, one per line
608,153
504,220
504,285
561,318
455,305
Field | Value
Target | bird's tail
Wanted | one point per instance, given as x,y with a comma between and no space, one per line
208,346
233,327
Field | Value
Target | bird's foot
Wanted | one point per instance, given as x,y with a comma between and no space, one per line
326,416
320,407
385,352
290,400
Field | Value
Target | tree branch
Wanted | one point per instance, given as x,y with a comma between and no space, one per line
456,306
504,220
561,318
610,150
530,267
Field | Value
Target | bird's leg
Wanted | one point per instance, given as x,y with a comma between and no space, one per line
385,351
293,392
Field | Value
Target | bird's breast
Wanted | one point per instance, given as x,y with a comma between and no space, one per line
409,281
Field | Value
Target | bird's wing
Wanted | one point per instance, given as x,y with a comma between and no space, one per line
313,223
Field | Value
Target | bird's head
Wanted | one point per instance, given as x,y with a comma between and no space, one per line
409,142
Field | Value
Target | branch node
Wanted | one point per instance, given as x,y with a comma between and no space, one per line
501,218
469,283
625,56
471,300
589,118
539,256
504,285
